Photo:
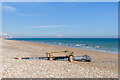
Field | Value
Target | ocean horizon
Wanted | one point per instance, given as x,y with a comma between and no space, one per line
109,45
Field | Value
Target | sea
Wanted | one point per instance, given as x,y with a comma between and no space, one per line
109,45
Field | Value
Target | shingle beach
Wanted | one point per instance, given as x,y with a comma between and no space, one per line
103,65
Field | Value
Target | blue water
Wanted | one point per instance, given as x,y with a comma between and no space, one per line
96,44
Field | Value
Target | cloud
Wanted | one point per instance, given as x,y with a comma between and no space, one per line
9,8
49,26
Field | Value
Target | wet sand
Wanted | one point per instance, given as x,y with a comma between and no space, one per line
103,65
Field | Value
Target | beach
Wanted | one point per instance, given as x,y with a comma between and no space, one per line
103,65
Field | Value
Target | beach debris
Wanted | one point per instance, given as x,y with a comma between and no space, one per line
84,58
71,58
68,56
59,53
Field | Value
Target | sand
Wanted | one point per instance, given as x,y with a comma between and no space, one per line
103,65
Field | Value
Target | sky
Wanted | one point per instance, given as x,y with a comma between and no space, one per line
60,19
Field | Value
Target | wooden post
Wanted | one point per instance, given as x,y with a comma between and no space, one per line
71,58
48,54
20,57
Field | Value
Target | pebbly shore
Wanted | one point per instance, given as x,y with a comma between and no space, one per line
103,65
